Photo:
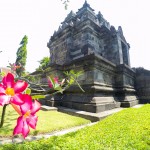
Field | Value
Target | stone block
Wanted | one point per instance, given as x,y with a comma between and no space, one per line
129,103
48,108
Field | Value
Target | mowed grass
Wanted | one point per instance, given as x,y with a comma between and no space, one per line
48,121
125,130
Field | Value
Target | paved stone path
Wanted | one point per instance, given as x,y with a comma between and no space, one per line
95,117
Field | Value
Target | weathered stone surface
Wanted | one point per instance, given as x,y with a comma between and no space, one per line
143,85
84,33
87,42
47,108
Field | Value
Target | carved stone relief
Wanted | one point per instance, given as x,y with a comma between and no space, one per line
128,80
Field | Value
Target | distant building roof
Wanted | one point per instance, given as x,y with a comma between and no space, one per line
4,69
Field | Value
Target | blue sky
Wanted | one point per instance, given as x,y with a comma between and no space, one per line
39,18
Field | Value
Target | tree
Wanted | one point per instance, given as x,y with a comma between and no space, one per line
65,2
22,56
44,63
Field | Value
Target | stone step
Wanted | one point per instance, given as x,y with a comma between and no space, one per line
48,108
99,107
90,107
89,115
129,103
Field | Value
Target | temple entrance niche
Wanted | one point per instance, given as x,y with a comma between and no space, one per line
125,53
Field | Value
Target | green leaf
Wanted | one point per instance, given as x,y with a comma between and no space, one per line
79,73
56,85
2,74
71,81
58,88
28,91
66,73
72,72
52,81
38,96
79,86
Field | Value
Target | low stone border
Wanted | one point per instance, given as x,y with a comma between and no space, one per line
46,135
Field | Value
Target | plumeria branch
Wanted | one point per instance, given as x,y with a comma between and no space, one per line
71,80
31,83
53,92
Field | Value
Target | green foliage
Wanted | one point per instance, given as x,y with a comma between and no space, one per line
73,76
126,130
28,91
56,86
2,74
69,80
33,79
37,97
44,63
65,2
22,56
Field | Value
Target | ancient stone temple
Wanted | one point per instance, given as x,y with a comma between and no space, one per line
85,41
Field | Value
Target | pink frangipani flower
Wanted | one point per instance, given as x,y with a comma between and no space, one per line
55,81
11,91
28,117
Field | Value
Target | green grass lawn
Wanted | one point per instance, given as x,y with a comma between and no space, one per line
48,121
125,130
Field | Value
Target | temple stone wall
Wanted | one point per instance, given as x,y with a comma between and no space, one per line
106,85
85,32
143,85
85,41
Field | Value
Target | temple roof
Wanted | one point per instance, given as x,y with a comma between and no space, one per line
85,7
69,16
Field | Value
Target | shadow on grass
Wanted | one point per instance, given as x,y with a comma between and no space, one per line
35,132
10,121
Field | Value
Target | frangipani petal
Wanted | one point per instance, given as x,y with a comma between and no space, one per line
2,90
4,80
19,126
20,86
17,99
27,105
8,80
50,84
4,99
25,129
32,121
56,80
35,107
13,90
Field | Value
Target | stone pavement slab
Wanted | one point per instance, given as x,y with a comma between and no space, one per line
138,106
48,108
